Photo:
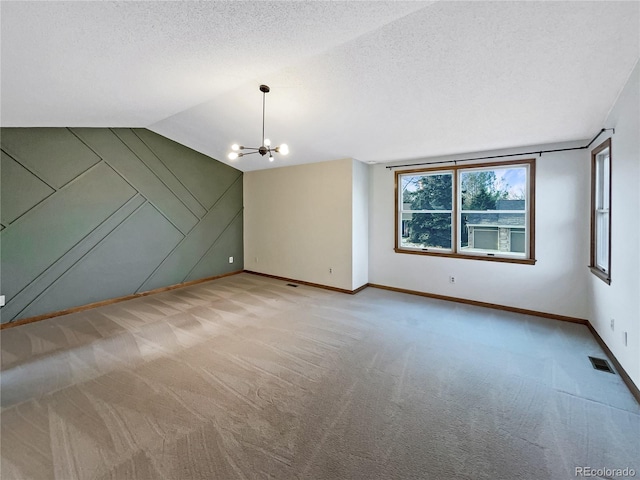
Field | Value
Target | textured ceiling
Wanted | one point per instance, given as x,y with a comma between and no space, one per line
376,81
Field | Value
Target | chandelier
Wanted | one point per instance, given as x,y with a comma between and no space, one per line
265,148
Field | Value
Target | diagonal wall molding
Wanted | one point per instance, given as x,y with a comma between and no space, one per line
102,213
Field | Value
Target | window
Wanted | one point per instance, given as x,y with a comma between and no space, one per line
481,211
601,211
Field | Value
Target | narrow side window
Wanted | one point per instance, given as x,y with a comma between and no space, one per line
600,263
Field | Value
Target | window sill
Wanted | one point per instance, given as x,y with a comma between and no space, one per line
522,261
601,275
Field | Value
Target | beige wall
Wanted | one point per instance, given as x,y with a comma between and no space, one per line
555,284
360,242
621,300
299,224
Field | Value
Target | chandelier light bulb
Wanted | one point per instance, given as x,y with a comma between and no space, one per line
283,149
235,147
233,156
267,142
271,158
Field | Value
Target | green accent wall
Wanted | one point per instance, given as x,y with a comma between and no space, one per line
89,214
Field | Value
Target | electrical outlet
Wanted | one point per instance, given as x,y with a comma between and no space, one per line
230,259
1,300
613,324
330,270
452,279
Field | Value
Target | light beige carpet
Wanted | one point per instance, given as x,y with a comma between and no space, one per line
245,377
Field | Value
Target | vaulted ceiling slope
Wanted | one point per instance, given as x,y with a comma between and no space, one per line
376,81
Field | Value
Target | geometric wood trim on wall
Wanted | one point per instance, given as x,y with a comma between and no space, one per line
89,214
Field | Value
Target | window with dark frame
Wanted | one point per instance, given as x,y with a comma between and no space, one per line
481,211
600,263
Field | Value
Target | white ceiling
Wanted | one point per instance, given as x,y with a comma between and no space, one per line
376,81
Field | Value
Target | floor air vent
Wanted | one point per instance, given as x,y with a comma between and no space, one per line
601,364
291,285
